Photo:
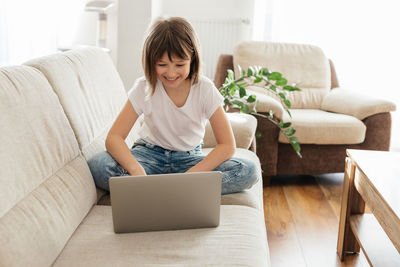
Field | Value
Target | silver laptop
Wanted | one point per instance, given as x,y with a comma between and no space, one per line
165,201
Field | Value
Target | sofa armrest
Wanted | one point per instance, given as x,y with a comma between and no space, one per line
243,126
355,104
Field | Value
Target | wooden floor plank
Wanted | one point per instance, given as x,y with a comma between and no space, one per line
331,186
284,246
301,214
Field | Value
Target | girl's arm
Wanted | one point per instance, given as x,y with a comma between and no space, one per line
226,144
115,142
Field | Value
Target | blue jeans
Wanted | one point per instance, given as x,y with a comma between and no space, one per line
238,174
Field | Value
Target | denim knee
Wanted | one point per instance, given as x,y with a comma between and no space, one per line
249,173
238,174
103,166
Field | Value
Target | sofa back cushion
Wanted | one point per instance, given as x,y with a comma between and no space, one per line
45,184
305,65
90,91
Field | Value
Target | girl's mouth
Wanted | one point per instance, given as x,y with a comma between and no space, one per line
171,80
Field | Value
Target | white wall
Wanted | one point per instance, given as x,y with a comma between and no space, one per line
217,40
133,20
207,8
79,27
134,17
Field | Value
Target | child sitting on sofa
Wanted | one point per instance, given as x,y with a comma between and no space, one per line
176,102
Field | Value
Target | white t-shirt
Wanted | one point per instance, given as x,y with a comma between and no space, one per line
170,127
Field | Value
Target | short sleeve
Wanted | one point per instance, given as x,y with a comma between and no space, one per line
213,98
137,95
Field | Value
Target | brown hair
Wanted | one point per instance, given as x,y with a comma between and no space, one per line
175,36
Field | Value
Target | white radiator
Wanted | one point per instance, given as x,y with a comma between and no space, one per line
219,36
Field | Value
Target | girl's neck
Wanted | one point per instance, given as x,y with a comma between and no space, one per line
179,95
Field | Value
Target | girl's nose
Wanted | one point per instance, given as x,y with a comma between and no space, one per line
171,74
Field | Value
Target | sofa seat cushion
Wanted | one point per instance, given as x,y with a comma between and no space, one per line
250,198
239,240
315,126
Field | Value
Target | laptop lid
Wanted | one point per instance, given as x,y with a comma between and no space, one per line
165,201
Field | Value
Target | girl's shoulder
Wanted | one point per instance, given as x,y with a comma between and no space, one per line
140,84
204,83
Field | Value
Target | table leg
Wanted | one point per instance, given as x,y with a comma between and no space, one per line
352,203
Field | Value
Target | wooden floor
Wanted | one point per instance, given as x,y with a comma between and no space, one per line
302,219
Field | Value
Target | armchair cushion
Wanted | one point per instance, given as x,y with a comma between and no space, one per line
355,104
315,126
243,126
303,64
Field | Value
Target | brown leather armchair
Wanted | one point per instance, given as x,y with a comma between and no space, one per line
321,148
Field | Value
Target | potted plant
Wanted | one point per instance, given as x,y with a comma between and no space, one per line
236,96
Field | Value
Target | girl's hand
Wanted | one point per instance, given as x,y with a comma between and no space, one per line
137,170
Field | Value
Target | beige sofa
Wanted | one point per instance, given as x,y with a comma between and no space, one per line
55,113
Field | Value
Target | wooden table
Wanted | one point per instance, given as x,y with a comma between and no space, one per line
372,178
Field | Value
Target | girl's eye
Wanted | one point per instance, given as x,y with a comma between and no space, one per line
161,65
180,65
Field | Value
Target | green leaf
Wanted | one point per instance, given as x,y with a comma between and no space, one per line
288,112
290,131
258,134
281,82
250,71
293,140
255,107
260,71
242,91
244,109
287,103
258,79
231,75
284,124
251,98
239,69
275,76
271,114
226,101
282,95
272,88
291,88
266,72
237,104
296,147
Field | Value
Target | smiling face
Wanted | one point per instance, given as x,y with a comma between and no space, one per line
174,72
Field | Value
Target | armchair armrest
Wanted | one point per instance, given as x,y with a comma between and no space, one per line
355,104
224,63
267,102
243,126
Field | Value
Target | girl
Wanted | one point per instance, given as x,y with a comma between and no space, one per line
176,102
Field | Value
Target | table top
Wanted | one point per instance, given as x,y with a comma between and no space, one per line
382,168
